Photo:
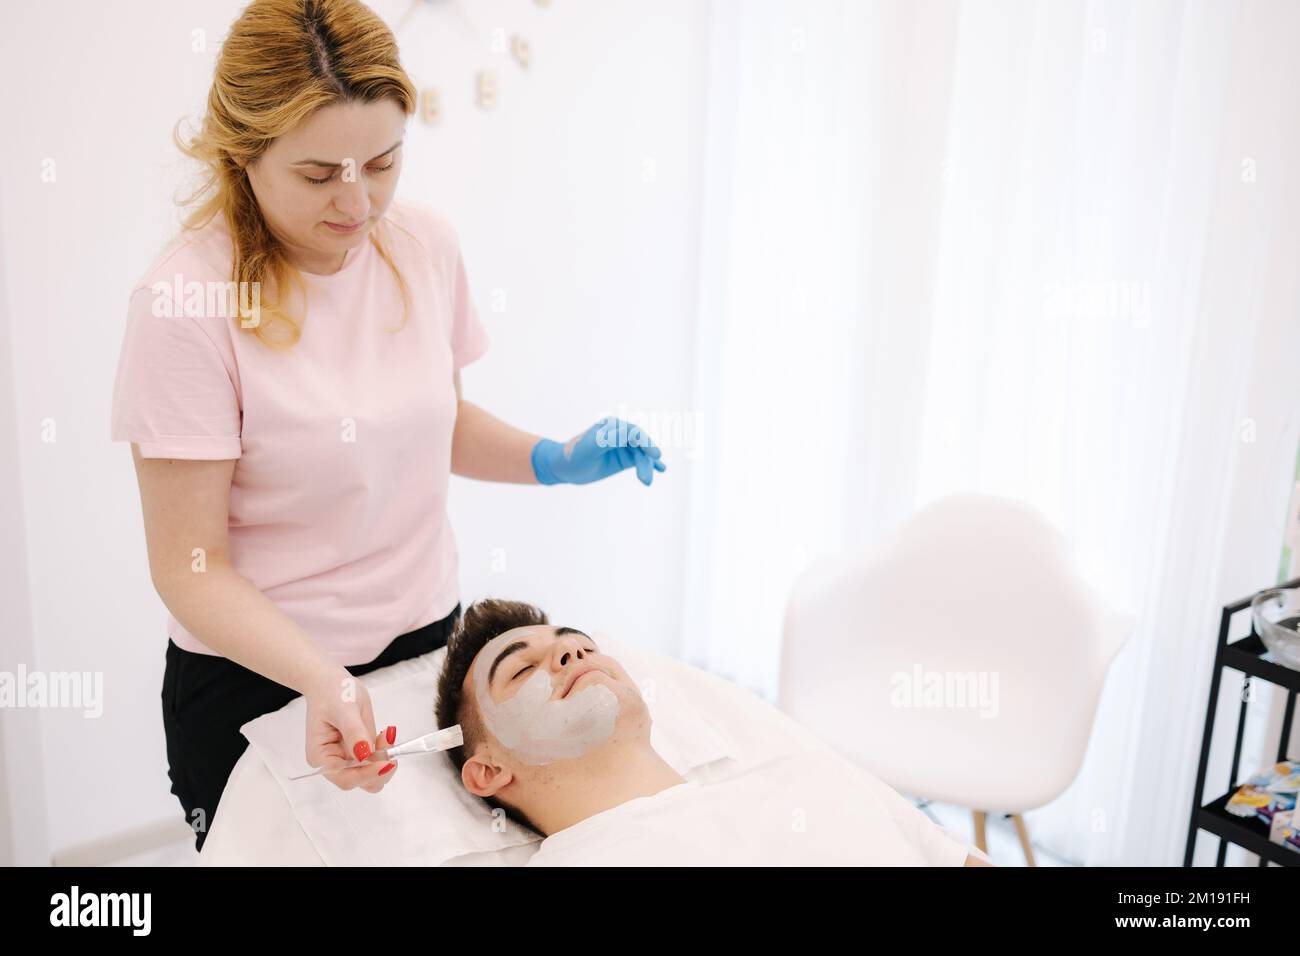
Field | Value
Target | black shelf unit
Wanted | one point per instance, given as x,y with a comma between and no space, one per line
1246,655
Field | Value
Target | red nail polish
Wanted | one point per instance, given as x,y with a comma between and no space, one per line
391,735
362,751
387,767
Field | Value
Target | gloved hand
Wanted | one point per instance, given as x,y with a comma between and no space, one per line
604,449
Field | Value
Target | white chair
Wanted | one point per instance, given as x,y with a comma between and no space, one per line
961,662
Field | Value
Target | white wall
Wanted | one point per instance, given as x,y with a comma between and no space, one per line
24,835
577,198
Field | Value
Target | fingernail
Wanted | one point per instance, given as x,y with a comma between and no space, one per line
387,767
362,751
391,735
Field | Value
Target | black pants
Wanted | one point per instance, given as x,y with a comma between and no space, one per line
206,699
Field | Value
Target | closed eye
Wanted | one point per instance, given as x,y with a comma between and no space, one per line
516,677
373,169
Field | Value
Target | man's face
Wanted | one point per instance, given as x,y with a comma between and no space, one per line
547,693
338,168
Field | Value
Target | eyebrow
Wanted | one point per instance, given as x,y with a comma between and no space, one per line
516,646
321,162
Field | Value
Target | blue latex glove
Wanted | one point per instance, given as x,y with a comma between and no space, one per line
604,449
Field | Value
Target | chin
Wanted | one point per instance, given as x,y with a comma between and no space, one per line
632,708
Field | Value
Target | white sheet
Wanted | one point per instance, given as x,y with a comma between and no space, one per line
257,824
423,817
807,808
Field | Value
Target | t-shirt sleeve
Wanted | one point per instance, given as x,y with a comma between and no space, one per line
469,339
937,845
174,393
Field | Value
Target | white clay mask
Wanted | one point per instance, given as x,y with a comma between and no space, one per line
537,729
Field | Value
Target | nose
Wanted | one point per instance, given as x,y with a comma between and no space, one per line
569,650
352,201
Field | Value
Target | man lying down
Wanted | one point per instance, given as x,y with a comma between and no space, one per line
557,736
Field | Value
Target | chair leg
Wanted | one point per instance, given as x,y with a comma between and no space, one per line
1023,831
981,839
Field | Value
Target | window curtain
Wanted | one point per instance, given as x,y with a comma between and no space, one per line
1021,248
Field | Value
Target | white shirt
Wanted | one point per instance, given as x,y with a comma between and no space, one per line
804,809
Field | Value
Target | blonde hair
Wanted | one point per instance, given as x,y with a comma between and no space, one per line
282,61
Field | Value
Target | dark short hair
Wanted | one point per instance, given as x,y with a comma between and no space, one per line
484,620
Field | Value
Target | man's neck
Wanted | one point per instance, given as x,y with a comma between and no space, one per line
603,784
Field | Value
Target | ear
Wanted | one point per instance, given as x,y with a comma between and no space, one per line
483,777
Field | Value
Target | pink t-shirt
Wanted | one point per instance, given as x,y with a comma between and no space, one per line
338,503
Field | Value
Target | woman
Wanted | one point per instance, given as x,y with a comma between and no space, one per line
290,385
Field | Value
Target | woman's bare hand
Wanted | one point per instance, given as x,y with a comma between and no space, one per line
341,728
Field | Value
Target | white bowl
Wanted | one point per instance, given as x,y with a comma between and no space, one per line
1275,614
